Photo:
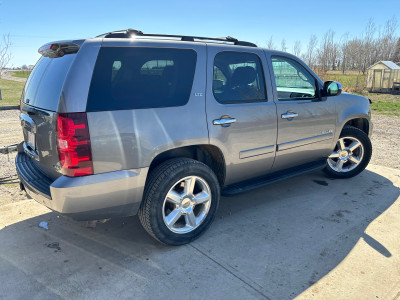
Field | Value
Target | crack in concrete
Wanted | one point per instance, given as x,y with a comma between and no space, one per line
251,285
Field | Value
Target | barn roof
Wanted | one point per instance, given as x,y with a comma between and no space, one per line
387,63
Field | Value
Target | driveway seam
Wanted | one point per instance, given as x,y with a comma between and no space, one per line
257,290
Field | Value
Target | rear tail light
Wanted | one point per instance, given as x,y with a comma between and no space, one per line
73,143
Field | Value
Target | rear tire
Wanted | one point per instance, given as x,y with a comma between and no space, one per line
180,200
351,155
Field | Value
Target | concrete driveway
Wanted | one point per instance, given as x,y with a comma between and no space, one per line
307,237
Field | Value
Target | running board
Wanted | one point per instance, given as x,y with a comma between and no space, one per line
241,187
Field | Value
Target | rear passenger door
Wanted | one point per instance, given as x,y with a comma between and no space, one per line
306,121
240,115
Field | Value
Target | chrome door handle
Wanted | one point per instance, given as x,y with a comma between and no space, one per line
225,122
289,115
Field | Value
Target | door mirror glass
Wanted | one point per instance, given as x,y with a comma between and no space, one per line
332,88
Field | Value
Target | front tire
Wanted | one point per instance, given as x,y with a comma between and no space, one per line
351,155
180,201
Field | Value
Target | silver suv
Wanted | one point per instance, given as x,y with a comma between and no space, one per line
158,125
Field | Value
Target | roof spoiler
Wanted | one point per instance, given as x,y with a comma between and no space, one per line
58,49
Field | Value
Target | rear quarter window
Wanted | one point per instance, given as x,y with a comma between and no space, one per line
135,77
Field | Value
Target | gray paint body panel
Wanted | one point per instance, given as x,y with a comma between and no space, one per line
300,140
89,193
128,139
76,87
255,128
351,107
305,141
257,151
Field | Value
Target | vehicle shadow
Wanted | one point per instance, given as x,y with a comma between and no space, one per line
273,242
293,233
8,180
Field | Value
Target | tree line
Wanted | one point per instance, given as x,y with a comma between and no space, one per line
348,53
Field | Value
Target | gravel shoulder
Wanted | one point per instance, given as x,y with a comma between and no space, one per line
386,141
10,133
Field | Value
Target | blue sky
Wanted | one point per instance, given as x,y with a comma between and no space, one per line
34,23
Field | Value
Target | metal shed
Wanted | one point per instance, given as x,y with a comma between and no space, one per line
383,77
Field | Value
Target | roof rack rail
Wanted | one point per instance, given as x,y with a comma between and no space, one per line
127,33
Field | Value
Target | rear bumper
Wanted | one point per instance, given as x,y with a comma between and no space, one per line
100,196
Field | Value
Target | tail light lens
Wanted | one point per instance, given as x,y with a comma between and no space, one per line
73,142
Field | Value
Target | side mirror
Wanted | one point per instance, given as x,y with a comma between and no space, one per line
332,88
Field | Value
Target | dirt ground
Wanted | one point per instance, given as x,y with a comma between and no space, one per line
10,133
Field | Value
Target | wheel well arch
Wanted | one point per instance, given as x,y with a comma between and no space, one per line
360,123
208,154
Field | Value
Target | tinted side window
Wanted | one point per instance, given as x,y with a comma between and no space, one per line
238,77
292,80
133,78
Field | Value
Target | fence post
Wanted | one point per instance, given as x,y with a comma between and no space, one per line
0,95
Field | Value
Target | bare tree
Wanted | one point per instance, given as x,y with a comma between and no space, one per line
283,45
353,52
5,55
297,48
349,53
309,56
344,51
388,40
328,51
270,44
397,51
367,51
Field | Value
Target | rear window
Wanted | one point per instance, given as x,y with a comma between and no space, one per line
44,86
133,78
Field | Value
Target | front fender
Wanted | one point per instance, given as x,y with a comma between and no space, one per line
351,107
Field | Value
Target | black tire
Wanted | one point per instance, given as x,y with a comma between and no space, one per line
160,181
350,131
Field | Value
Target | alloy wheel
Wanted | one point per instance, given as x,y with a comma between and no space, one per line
347,154
186,205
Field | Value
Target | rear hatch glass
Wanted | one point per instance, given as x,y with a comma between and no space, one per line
38,111
44,86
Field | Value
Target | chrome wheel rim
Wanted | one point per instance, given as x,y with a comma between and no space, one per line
347,155
186,204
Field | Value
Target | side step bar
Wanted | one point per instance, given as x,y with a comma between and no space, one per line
241,187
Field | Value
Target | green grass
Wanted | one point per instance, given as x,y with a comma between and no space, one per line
386,108
385,104
382,104
10,91
21,74
350,82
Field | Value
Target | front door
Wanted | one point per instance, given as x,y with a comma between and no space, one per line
306,121
241,115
